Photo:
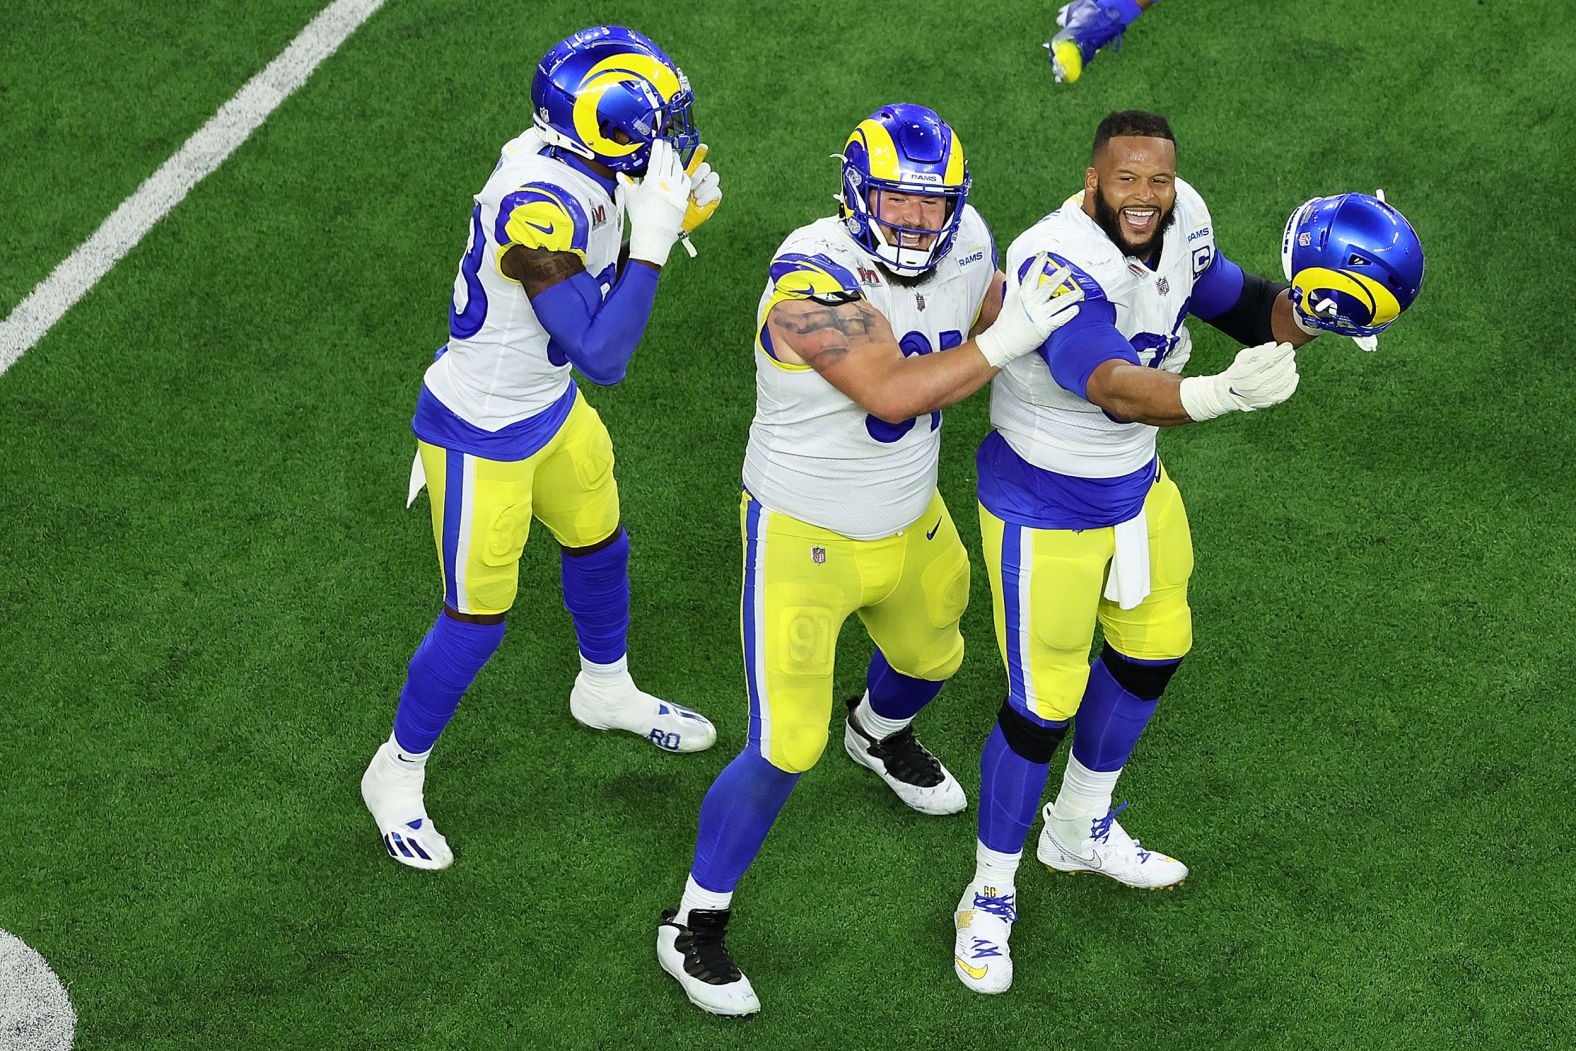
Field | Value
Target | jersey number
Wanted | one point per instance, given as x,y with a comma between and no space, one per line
465,321
913,343
1161,345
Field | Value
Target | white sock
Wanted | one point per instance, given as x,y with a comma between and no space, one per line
877,726
698,897
607,672
403,760
1085,794
995,869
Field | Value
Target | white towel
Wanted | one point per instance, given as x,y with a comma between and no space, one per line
418,479
1127,581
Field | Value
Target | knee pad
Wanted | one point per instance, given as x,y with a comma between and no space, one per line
795,749
1035,741
1145,680
943,666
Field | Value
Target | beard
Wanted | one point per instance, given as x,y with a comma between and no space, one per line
1109,219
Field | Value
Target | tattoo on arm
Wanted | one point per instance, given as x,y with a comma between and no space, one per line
537,269
823,334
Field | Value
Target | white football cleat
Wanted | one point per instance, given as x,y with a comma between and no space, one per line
393,794
908,768
696,956
980,955
618,704
1101,845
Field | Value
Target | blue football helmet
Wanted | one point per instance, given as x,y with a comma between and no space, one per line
906,149
605,80
1353,261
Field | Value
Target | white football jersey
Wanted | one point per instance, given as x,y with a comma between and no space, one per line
814,454
1053,428
499,368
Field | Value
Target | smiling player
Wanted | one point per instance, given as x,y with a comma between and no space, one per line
1081,523
871,323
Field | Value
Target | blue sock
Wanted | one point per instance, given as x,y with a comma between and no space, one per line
894,695
441,670
1111,717
596,594
735,816
1010,790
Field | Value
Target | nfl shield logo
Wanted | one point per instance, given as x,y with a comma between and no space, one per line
1163,286
920,300
818,555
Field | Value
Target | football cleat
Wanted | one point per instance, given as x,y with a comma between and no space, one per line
393,795
1087,26
905,765
620,705
698,960
983,921
1101,845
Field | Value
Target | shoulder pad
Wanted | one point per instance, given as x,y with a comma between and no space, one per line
542,215
817,277
1192,214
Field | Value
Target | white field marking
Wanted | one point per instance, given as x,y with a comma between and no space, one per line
35,1012
163,190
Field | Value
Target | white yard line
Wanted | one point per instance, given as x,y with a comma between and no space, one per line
35,1012
163,190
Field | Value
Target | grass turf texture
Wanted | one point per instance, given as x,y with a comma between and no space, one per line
210,589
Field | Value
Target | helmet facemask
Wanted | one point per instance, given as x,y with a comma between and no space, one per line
915,154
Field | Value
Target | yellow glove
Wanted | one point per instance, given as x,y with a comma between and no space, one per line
705,190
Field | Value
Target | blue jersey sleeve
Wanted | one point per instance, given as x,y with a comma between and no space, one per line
599,335
1089,340
1217,289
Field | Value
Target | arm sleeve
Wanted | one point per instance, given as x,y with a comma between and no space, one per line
1238,303
599,335
1087,341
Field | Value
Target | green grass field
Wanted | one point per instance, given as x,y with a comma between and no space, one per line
209,585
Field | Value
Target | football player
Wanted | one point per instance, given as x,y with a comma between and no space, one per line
1081,523
547,284
1086,27
871,322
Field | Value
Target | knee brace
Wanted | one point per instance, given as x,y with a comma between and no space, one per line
1035,741
1143,679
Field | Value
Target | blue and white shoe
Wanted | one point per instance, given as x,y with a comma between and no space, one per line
616,703
393,793
1101,845
1087,26
983,920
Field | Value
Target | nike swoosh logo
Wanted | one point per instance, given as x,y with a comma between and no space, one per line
932,534
545,229
1233,390
975,973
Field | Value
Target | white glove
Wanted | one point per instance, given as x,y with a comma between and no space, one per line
705,196
1030,313
705,191
655,205
1260,376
